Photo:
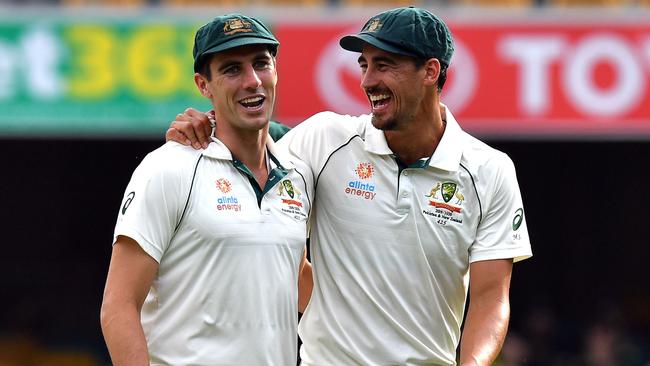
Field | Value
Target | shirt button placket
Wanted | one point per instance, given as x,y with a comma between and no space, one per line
403,202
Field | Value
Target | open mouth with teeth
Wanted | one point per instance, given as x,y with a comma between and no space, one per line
252,102
379,100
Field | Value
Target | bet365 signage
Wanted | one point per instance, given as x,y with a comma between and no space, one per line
94,76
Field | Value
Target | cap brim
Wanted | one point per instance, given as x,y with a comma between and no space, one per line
241,41
356,42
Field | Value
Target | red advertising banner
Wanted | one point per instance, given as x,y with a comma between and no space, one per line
507,79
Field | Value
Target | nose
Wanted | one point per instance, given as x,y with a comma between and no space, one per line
251,79
368,79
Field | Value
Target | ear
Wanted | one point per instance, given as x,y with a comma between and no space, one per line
202,84
432,71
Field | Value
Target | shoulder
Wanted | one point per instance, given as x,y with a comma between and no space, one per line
316,138
334,124
487,164
301,167
493,171
173,152
483,158
171,159
327,129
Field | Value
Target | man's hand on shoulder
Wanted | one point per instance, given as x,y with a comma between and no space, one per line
190,128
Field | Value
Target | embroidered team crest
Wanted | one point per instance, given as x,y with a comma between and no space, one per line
434,192
236,25
287,188
448,190
365,170
291,202
447,211
374,25
223,185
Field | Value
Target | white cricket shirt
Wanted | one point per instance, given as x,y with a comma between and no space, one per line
226,289
391,247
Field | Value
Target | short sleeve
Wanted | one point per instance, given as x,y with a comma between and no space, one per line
151,207
502,231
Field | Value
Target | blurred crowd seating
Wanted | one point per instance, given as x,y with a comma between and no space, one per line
24,351
386,3
537,337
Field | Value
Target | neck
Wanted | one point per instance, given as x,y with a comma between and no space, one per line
249,146
419,139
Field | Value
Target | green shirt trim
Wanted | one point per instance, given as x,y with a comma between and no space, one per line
277,130
275,175
418,164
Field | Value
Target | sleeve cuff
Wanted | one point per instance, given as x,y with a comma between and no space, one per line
145,244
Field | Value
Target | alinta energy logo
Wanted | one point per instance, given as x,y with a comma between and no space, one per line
355,187
224,185
226,203
447,201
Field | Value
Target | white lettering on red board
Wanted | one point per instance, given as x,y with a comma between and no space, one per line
535,55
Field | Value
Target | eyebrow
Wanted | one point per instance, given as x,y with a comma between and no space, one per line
227,64
385,59
261,56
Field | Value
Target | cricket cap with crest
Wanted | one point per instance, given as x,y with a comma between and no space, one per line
406,31
230,31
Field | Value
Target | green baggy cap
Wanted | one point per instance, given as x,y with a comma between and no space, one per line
230,31
408,31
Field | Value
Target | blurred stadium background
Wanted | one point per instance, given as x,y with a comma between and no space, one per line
87,88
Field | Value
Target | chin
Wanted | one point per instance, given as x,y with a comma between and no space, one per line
384,124
258,125
255,122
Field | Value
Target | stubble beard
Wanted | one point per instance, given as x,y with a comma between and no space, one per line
389,125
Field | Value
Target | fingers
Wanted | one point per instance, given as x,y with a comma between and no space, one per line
200,124
191,128
191,112
175,135
210,126
184,134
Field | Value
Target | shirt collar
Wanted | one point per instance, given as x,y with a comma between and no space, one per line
282,158
450,149
218,150
375,141
446,156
